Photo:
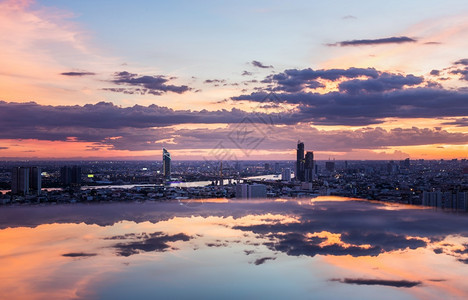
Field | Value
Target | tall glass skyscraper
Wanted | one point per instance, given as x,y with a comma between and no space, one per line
300,163
166,164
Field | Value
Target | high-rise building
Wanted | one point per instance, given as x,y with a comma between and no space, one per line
300,162
330,166
35,180
25,181
166,164
250,191
70,176
286,174
278,170
20,181
309,166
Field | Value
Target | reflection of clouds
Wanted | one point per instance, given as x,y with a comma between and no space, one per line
458,248
386,282
358,228
261,261
79,254
360,240
156,241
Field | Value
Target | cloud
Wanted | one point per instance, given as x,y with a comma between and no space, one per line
141,128
463,61
462,72
258,64
349,17
145,84
385,82
246,73
435,73
261,261
385,282
156,241
214,81
77,74
462,122
365,102
390,40
78,254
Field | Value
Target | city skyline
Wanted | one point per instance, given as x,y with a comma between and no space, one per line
233,80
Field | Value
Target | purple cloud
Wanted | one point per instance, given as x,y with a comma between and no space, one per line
77,74
390,40
258,64
155,85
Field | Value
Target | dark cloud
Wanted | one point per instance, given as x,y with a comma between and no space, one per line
78,254
217,244
305,75
246,73
214,81
463,61
78,74
2,148
390,40
156,241
432,43
145,84
261,261
343,108
258,64
145,128
385,282
385,82
462,122
462,72
435,73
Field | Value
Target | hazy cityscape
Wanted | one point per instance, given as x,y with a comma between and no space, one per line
233,149
440,183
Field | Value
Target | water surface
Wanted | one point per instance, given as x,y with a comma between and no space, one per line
321,248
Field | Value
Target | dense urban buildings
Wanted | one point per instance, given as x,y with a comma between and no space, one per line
438,183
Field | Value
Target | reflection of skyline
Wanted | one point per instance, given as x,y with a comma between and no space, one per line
389,247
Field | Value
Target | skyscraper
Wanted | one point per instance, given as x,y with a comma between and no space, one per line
71,176
20,181
309,166
300,162
166,164
35,180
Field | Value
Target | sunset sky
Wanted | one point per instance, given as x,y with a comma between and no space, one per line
233,79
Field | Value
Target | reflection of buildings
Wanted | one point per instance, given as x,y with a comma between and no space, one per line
250,191
456,200
70,176
166,164
25,180
300,162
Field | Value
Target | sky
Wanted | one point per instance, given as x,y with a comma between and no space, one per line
233,79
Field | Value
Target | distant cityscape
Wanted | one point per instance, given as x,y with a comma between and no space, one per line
437,183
